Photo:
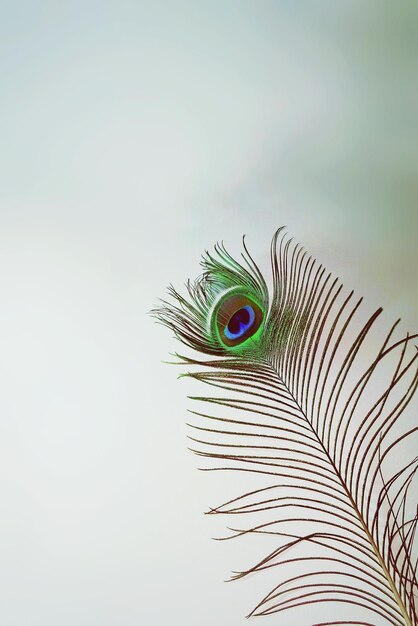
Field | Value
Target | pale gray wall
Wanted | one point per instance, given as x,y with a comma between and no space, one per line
134,135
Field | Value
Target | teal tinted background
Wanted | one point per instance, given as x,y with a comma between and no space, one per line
133,136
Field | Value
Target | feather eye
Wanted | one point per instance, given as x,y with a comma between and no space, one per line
236,318
315,410
211,320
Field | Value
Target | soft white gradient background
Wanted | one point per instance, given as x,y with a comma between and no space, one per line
133,135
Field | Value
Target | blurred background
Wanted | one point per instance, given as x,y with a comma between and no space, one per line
133,136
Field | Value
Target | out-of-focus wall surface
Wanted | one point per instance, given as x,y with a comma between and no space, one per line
134,135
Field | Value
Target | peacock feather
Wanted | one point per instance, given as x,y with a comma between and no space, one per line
312,400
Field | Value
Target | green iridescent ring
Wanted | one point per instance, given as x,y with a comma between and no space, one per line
236,318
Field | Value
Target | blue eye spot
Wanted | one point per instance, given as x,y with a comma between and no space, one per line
240,322
236,318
